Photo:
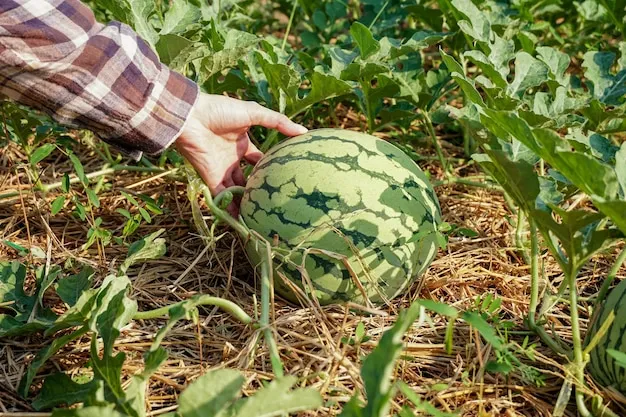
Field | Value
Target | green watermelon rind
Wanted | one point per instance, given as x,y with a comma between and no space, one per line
602,367
410,224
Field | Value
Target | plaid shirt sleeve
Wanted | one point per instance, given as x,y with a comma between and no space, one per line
55,57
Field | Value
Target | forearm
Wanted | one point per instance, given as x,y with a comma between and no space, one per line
55,57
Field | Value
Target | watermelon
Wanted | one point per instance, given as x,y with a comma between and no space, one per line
602,367
354,210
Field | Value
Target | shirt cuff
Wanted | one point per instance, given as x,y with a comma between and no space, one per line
161,120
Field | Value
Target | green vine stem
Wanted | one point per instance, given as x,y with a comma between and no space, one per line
534,292
293,14
469,181
266,274
611,277
578,360
266,283
223,215
235,189
433,136
519,236
203,300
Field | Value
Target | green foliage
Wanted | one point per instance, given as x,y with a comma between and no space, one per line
533,91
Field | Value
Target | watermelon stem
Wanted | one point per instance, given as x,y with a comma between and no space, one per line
451,179
266,284
236,189
266,274
521,246
579,361
204,300
534,293
433,135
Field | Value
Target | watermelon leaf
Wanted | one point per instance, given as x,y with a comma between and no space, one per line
378,367
41,153
364,39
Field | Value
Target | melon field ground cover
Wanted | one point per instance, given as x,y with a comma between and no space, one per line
125,289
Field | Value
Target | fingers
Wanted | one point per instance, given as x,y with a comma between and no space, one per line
270,119
238,177
253,154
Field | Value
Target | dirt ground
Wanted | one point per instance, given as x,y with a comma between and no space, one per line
312,342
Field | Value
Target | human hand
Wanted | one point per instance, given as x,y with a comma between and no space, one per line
215,138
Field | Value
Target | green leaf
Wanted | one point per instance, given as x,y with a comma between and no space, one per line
179,16
440,308
393,48
45,278
557,62
80,210
210,394
41,153
60,389
484,328
529,72
45,354
124,213
608,88
482,62
70,288
26,317
108,369
118,8
620,167
477,25
471,93
37,252
277,399
21,249
620,357
130,198
549,194
148,248
517,151
78,168
113,310
93,197
170,47
140,13
136,391
144,214
285,82
319,19
57,205
597,178
93,411
378,366
323,87
237,44
613,208
502,51
359,332
451,63
364,40
430,16
65,183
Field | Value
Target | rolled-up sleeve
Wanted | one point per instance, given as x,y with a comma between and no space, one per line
55,57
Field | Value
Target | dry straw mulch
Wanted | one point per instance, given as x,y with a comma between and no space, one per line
312,343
